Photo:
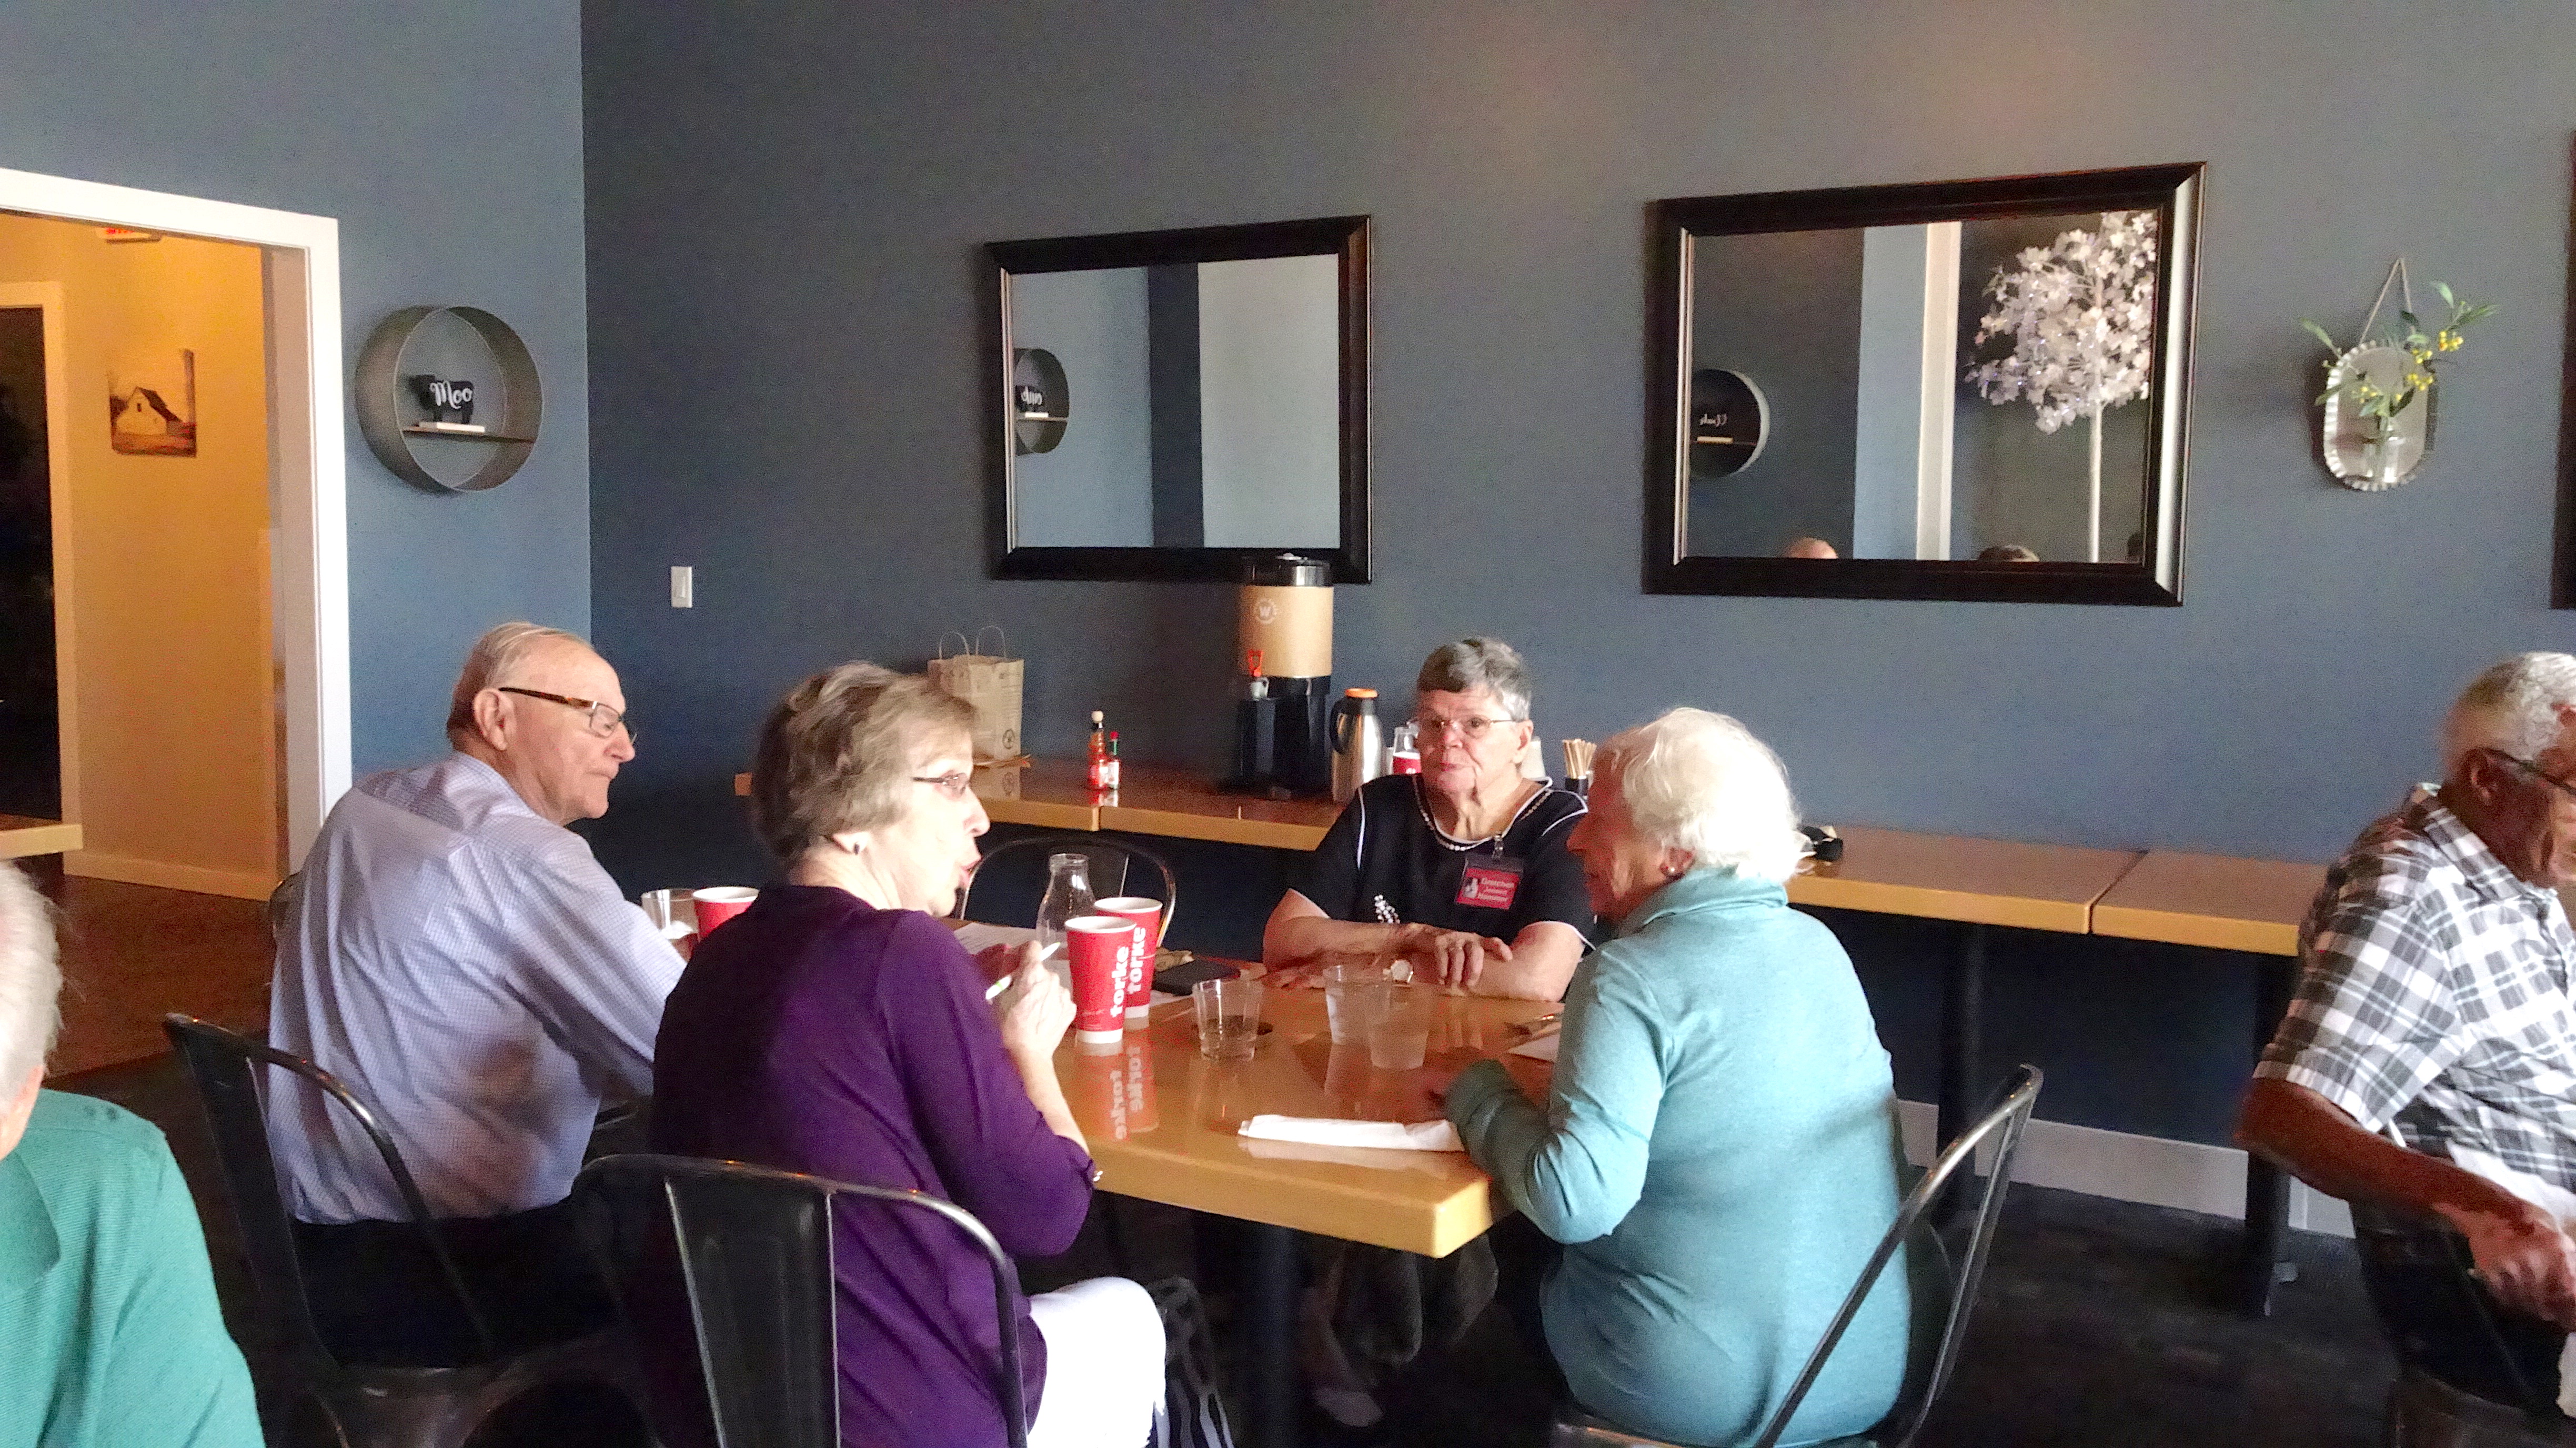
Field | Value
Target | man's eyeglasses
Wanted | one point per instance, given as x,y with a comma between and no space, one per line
603,721
1470,727
956,783
2535,771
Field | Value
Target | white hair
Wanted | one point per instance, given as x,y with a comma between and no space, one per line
495,656
2513,708
1701,782
1478,663
30,982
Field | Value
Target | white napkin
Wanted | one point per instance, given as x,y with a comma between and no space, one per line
2550,1198
1539,1048
1333,1131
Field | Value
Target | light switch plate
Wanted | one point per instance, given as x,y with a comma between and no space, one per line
684,586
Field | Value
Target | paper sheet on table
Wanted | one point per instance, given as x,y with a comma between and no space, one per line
1334,1131
1539,1048
978,937
2550,1198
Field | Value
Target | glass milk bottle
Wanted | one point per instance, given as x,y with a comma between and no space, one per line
1068,895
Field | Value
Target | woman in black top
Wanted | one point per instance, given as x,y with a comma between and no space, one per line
1462,869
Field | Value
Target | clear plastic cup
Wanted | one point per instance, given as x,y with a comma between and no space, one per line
1401,1028
1353,994
1229,1014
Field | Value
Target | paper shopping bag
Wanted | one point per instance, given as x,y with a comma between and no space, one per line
990,685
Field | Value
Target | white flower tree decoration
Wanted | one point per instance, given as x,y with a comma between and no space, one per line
2081,316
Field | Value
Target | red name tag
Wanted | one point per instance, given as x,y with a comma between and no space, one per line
1490,883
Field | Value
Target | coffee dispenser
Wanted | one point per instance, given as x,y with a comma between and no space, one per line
1284,649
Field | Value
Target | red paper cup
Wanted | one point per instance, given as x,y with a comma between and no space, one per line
1147,916
1101,950
720,904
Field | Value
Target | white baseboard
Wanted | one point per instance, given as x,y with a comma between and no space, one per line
125,869
2127,1167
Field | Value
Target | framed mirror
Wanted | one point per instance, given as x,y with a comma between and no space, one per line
1172,403
1955,390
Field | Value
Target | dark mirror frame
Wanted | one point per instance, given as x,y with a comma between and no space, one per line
1344,236
2172,192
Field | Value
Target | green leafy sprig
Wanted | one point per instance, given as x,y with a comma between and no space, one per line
2425,351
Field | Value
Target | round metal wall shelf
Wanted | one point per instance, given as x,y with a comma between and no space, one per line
394,435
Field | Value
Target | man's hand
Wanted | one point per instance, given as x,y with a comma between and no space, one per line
1450,957
2524,1259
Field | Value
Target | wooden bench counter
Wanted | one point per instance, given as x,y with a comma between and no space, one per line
22,837
1958,877
2211,901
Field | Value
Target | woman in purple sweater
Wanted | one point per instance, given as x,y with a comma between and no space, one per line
836,1027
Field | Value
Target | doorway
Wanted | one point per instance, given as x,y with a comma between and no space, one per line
305,467
30,717
154,559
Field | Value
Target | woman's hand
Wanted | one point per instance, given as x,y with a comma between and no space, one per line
1034,1010
1449,957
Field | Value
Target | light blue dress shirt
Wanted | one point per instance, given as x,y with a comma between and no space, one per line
473,974
1719,1152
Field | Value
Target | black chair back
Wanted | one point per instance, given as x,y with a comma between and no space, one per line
2440,1321
753,1251
226,1069
1959,1267
1112,868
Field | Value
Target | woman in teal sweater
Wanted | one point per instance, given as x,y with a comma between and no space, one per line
1719,1149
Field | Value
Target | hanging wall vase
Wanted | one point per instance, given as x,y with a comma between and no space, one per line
2378,422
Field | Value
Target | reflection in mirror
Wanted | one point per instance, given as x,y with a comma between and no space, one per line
1209,411
1178,400
1916,437
1922,391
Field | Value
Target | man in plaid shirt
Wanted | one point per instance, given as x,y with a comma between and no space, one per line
2433,1007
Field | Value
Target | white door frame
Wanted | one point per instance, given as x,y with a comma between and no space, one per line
47,299
308,461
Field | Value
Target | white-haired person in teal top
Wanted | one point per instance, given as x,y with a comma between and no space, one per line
1719,1149
109,1332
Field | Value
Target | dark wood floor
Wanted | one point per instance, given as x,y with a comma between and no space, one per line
132,953
2098,1327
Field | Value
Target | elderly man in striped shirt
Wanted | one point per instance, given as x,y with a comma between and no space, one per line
2428,1062
463,962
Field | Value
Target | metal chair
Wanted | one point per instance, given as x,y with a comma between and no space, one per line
1958,1269
1112,862
754,1257
2462,1382
363,1404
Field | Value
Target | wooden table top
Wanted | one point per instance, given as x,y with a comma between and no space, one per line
2212,901
1154,800
1162,1121
1955,877
22,837
1049,793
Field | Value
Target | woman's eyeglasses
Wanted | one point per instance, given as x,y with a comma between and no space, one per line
603,721
1470,727
956,783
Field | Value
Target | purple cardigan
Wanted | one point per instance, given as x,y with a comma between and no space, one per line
819,1034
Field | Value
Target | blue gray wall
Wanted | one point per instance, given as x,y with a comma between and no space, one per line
447,141
786,205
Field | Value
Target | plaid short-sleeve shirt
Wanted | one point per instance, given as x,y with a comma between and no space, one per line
2433,994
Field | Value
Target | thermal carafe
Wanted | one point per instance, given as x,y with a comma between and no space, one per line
1359,747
